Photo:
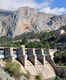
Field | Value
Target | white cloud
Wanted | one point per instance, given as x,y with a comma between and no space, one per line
44,6
54,10
14,4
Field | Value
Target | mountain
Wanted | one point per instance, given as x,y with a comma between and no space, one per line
25,19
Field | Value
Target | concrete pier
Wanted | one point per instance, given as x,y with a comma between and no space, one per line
35,57
22,57
43,56
31,55
40,55
12,53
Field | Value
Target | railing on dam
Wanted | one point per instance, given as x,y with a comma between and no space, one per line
23,54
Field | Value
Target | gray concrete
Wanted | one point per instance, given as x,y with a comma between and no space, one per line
4,75
33,60
22,57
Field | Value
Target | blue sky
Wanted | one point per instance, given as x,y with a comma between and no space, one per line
59,3
39,1
55,3
46,6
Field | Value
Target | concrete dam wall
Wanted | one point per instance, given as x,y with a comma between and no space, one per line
32,59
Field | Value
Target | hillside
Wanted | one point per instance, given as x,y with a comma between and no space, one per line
14,23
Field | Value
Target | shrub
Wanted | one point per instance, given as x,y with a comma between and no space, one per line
13,69
38,77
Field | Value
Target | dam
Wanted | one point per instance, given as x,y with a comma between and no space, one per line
32,59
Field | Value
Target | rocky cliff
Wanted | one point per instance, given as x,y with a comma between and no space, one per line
14,23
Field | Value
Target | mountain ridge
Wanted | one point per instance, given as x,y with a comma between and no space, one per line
25,19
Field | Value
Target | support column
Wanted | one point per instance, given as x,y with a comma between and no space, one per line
22,57
23,49
43,54
12,53
30,55
35,57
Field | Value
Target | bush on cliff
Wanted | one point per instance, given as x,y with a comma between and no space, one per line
13,69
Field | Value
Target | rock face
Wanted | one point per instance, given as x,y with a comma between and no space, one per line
4,75
14,23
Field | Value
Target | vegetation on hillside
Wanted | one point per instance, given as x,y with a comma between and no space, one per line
60,58
47,40
63,27
14,70
59,78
